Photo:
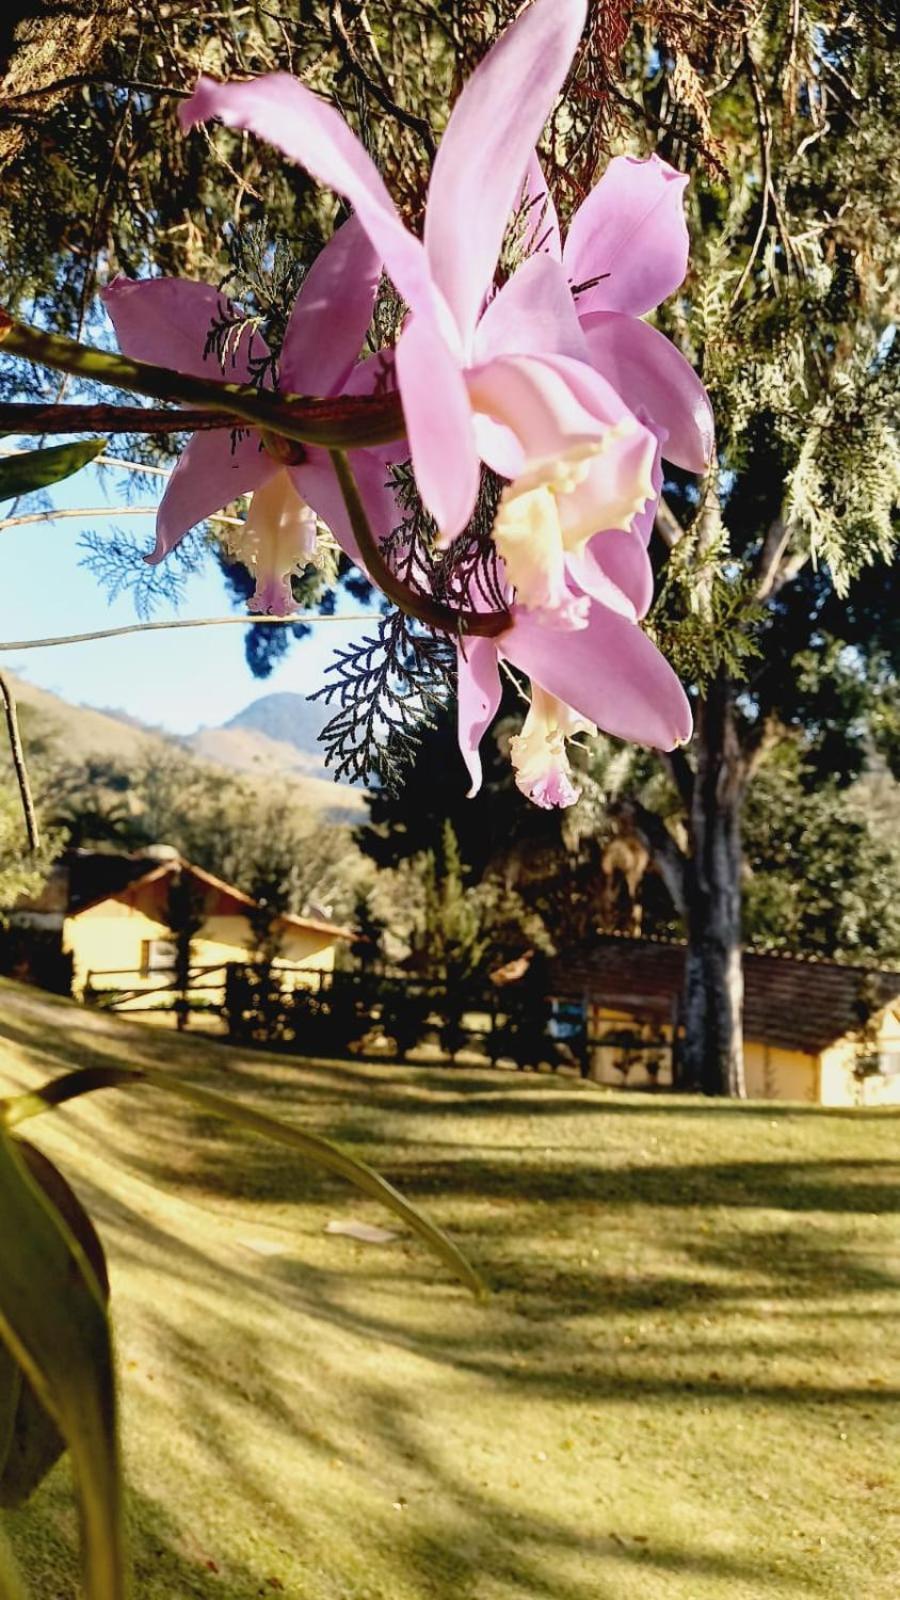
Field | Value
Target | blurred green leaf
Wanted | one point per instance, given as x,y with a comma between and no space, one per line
10,1389
321,1152
11,1585
53,1320
34,1442
37,469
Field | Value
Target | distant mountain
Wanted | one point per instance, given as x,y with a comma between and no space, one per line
242,745
288,718
276,734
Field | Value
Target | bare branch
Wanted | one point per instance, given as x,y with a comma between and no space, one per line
667,525
379,90
679,769
774,545
349,421
249,621
669,859
19,767
78,80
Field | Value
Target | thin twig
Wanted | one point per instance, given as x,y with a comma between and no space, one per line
78,80
99,511
250,620
378,91
764,131
19,767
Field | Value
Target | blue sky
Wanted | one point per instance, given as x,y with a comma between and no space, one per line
178,680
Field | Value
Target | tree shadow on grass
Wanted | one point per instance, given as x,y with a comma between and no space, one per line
537,1342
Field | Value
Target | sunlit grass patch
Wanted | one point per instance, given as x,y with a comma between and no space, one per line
684,1386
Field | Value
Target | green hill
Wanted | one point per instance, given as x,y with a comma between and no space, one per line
83,732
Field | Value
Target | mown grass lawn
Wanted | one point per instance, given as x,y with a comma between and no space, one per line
685,1384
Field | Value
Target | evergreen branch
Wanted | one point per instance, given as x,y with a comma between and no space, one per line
119,565
345,422
389,688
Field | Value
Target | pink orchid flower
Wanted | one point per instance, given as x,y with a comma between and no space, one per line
607,674
505,381
522,381
167,320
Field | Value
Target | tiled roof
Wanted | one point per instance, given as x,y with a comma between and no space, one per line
85,878
788,1002
82,876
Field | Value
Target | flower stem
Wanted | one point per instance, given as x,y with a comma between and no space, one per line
421,606
27,419
346,422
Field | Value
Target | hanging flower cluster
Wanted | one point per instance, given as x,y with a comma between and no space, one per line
553,382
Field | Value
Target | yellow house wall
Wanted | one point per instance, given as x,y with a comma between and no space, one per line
107,939
603,1068
841,1087
772,1074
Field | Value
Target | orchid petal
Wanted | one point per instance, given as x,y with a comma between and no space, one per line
478,700
609,672
208,475
615,569
645,521
631,234
331,314
373,375
533,314
278,538
528,540
538,753
438,426
498,446
650,373
484,154
540,233
289,116
168,320
579,440
316,482
548,403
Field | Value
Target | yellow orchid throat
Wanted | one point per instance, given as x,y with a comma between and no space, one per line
558,503
277,539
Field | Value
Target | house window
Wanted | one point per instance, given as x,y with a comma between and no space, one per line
157,955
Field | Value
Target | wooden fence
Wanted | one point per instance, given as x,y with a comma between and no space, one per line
380,1016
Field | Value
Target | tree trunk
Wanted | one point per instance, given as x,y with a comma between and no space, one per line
712,1058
